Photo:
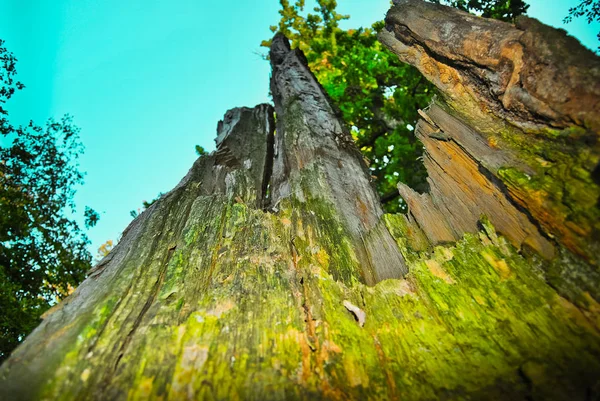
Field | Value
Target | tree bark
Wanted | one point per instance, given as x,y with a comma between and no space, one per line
270,272
515,135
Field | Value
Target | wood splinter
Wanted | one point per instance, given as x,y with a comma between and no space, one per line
358,313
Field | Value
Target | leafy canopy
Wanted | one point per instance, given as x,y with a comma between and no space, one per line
43,253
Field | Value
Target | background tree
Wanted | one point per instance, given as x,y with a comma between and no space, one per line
220,292
43,253
378,96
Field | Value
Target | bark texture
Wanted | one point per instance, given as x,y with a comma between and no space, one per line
315,157
515,135
271,273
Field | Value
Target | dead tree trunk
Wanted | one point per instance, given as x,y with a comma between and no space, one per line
514,136
270,272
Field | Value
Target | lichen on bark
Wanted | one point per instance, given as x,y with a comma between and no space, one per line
520,115
270,272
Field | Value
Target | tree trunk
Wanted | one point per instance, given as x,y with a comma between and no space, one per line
270,272
515,136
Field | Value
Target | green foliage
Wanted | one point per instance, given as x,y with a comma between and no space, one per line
43,251
504,10
590,9
378,96
146,204
200,151
91,217
8,85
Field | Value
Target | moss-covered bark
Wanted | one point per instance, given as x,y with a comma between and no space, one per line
270,273
514,135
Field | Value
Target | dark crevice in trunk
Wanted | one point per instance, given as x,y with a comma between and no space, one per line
265,197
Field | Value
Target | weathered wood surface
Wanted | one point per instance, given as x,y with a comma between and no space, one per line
515,135
315,157
259,277
461,190
528,73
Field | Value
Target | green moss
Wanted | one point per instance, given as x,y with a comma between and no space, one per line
493,313
252,307
550,173
562,193
411,240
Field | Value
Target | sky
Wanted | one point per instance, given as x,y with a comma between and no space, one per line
148,80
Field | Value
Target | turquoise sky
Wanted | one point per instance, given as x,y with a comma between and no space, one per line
148,80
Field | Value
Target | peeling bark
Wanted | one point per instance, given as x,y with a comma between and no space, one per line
527,73
461,190
514,137
270,273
